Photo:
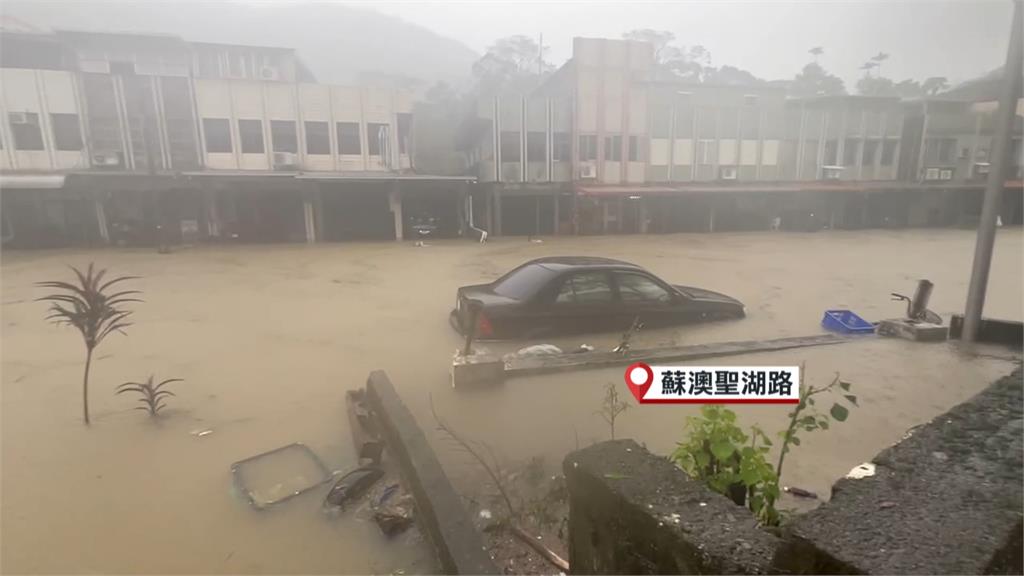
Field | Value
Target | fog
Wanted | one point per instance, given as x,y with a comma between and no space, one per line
439,40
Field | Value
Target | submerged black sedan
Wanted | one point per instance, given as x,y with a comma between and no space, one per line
576,294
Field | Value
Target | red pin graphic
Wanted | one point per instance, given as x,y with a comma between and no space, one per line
638,377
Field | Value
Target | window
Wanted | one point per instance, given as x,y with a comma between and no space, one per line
613,148
750,99
250,132
640,288
523,282
25,130
562,147
831,157
588,147
705,152
404,128
218,135
348,138
947,150
636,152
236,65
585,288
66,133
870,151
536,147
377,138
510,151
850,149
282,136
888,152
318,140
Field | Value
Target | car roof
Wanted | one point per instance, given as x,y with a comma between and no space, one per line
559,263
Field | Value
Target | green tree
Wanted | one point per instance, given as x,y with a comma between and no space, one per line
813,80
934,85
511,62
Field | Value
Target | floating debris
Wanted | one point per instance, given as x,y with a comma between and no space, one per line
862,471
352,485
201,432
799,492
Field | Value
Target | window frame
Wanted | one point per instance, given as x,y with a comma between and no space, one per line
613,148
278,146
347,138
613,295
34,144
669,291
67,142
242,136
224,123
325,144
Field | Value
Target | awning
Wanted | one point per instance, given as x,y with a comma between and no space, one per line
32,181
767,187
381,177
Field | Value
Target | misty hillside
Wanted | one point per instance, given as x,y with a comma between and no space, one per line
336,42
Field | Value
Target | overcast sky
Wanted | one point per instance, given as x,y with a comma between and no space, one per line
959,39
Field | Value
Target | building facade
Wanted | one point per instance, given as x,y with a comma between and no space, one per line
603,146
104,135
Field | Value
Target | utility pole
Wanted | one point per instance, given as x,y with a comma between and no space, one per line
540,55
1011,91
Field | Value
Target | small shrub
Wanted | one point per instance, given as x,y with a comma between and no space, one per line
93,309
612,406
150,395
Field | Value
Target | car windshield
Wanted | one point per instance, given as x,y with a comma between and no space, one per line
522,282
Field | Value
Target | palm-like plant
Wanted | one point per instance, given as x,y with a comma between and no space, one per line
150,395
92,308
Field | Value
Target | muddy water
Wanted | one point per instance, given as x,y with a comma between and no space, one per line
268,338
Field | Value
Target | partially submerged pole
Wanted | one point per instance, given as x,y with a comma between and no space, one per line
1011,90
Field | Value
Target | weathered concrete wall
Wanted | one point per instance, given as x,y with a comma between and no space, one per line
631,512
439,511
946,500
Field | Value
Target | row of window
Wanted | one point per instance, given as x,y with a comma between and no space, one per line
28,133
706,149
536,147
283,137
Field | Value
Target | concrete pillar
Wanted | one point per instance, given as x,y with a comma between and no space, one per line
643,215
497,212
101,220
318,212
711,216
309,220
395,204
556,196
212,213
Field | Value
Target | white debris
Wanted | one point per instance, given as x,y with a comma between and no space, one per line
201,433
485,514
862,471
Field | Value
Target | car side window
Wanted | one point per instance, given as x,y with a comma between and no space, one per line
585,288
639,288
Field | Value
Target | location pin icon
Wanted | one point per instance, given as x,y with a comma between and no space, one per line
638,378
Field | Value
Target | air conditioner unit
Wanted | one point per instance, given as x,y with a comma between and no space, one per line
946,174
727,172
106,159
19,118
832,172
285,160
931,174
588,171
268,73
981,168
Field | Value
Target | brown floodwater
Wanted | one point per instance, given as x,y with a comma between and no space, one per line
268,338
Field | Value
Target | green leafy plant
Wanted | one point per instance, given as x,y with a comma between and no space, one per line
719,453
612,406
150,395
807,418
93,309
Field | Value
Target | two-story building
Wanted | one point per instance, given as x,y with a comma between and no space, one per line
110,137
605,146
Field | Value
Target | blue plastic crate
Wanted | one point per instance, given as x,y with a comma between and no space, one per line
847,322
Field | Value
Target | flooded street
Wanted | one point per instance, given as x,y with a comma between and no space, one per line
268,338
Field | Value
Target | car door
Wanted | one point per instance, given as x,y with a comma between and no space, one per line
581,302
641,295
